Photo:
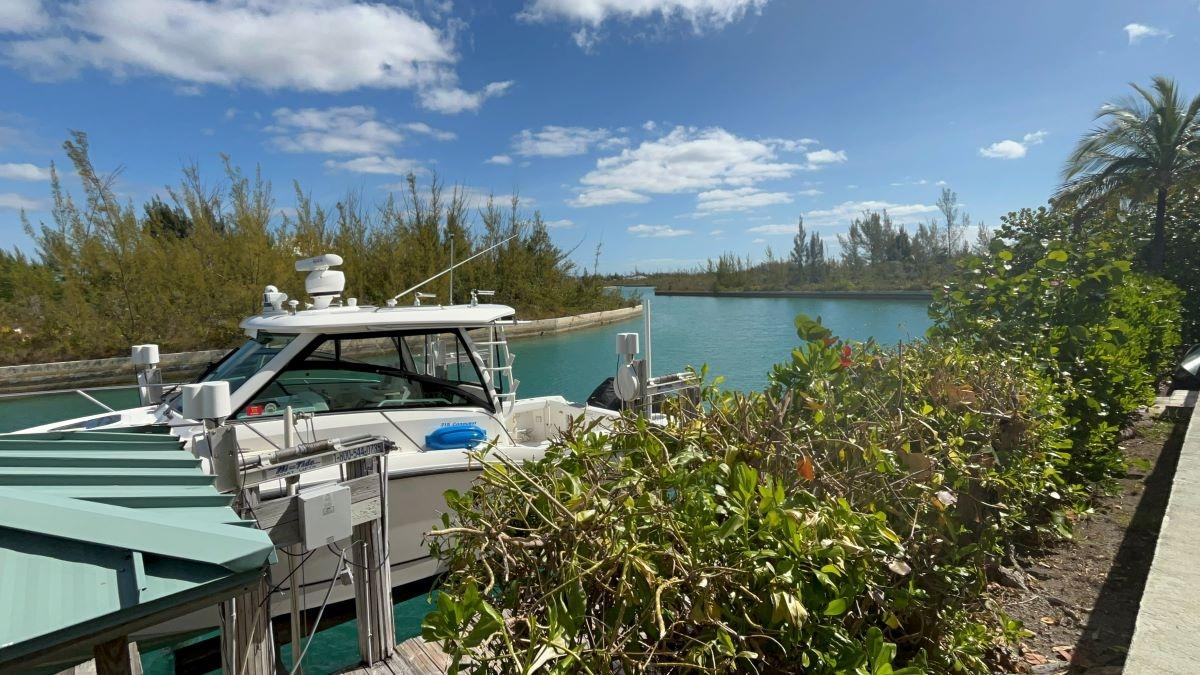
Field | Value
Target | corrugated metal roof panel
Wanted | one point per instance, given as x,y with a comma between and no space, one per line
98,529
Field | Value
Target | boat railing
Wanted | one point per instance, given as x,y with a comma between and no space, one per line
683,386
84,392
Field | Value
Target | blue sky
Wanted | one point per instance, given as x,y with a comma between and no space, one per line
669,130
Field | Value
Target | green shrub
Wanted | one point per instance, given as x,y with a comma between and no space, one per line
842,521
1105,335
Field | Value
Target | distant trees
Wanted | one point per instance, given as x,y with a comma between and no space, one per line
808,256
875,253
185,268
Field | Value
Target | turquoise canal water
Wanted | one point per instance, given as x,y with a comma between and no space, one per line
739,338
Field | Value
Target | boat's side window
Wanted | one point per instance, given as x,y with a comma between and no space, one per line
344,373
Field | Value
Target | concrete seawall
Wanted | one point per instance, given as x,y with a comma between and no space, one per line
827,295
568,323
181,365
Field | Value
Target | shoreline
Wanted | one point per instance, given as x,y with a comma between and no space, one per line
36,377
835,295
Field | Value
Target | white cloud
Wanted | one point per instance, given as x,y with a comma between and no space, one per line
774,229
18,16
390,166
24,172
847,211
819,158
716,233
16,202
810,192
306,45
792,144
612,143
657,231
739,199
649,125
760,240
426,130
1140,31
347,130
449,99
701,15
1010,149
556,141
586,39
604,196
1035,138
503,160
562,224
689,159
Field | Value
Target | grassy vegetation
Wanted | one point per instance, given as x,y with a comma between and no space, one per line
183,272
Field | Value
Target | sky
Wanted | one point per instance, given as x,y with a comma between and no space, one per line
667,131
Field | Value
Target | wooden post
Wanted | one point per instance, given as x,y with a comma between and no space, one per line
373,572
247,644
117,657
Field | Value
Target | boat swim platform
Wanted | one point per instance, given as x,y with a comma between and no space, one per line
105,533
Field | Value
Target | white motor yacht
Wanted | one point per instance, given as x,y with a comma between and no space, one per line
431,378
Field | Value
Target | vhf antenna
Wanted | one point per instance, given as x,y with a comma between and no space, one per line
405,292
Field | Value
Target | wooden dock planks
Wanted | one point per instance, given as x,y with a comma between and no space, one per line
414,656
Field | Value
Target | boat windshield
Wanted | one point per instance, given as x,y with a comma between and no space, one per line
355,372
242,363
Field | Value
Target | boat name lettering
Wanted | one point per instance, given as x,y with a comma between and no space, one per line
295,467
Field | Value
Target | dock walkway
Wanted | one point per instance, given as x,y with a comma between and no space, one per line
1167,636
414,656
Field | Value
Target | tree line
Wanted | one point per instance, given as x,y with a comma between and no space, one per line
184,268
875,253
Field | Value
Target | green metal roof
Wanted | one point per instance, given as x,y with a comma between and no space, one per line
102,530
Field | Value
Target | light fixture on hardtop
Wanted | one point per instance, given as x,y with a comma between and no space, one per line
417,297
273,301
476,294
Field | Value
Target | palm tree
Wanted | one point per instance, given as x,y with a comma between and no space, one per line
1144,146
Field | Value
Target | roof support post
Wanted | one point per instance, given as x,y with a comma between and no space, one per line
118,656
373,576
247,643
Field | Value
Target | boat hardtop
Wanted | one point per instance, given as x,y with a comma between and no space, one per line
359,317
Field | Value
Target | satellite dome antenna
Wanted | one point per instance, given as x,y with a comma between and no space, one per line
322,283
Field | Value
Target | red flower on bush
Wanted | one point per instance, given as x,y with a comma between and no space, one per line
845,357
